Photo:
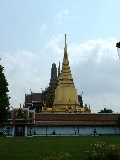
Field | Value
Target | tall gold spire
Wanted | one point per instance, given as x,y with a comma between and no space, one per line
66,99
65,72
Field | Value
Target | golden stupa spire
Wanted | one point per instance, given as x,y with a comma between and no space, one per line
66,99
65,72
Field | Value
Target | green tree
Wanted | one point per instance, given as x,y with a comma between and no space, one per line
4,99
106,111
118,122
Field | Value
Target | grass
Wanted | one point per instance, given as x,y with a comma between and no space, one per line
23,148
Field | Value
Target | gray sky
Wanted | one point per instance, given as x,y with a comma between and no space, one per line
32,38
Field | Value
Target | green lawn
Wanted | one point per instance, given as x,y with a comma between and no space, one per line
23,148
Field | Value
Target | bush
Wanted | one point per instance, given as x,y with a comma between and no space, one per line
58,156
100,151
1,133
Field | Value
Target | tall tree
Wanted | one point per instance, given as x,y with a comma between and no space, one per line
4,99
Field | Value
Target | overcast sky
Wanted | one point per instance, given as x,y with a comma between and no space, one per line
32,38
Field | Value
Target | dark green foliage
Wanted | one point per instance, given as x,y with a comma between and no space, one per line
101,151
4,99
118,122
106,111
8,130
1,133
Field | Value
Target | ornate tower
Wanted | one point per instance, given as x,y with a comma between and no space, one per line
52,86
61,93
66,99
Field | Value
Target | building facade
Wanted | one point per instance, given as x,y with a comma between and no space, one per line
25,122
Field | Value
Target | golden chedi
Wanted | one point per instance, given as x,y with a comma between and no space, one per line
66,99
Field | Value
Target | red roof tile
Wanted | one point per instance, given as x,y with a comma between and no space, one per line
75,123
28,98
37,97
76,117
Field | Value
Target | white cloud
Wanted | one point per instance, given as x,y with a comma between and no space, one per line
43,28
95,67
93,49
53,47
59,16
24,71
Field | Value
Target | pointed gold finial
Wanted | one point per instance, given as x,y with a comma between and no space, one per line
65,49
65,72
65,39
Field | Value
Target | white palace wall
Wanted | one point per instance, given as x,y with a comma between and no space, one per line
62,130
72,130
